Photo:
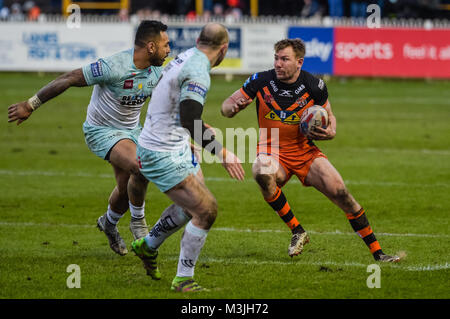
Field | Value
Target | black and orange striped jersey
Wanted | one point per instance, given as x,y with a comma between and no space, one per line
280,105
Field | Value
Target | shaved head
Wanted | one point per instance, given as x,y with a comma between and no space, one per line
213,35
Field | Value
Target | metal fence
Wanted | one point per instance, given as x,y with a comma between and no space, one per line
322,21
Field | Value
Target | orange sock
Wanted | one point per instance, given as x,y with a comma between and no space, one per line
279,203
360,225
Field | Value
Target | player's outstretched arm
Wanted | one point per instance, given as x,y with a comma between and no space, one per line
325,134
21,111
234,104
232,164
190,119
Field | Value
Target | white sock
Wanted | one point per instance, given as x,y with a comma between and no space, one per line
191,244
112,216
171,220
137,212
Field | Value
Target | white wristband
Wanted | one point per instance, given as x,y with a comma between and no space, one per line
34,102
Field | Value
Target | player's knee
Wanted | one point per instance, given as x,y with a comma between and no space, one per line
341,193
209,213
134,168
263,180
264,173
212,211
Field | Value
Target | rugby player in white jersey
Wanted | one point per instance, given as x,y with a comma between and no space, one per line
165,157
122,83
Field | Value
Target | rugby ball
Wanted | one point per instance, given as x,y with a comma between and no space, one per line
314,115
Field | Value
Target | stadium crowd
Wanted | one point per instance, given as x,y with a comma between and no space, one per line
19,10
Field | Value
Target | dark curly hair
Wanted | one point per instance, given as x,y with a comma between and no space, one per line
148,30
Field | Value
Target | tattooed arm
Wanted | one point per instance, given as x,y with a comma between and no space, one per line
21,111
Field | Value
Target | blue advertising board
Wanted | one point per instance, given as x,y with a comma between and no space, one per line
319,48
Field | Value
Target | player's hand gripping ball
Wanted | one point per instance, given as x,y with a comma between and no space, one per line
313,116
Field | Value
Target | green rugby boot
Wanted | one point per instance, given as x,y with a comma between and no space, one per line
148,257
186,284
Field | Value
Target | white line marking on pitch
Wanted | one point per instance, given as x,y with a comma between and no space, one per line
211,179
231,229
296,262
255,262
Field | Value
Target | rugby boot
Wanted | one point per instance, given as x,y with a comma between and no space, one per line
186,284
148,257
387,258
138,227
297,242
116,242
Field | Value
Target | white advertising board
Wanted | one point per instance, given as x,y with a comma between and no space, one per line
55,47
51,47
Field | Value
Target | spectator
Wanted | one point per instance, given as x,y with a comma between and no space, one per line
311,8
32,10
4,13
358,8
218,10
191,15
184,7
336,8
207,5
233,15
123,15
16,12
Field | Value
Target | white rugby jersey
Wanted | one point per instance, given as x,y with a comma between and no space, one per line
120,90
185,77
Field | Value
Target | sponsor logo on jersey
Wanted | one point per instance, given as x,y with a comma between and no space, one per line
152,84
133,99
128,84
299,89
96,69
301,101
274,87
197,88
286,117
285,93
268,98
321,84
251,78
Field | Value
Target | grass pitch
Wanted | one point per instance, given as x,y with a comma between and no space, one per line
392,149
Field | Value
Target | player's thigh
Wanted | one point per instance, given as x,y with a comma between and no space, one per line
123,156
268,168
192,195
324,177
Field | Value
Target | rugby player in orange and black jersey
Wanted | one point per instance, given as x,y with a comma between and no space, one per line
282,94
280,105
